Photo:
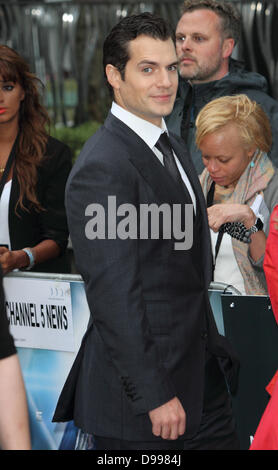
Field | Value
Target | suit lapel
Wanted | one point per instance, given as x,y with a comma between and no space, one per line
146,162
154,173
185,160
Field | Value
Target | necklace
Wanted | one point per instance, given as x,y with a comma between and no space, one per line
2,169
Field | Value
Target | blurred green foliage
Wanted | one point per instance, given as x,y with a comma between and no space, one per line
75,137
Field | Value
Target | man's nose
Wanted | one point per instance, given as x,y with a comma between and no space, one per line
186,44
164,79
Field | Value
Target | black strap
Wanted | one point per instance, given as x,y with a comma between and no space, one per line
210,197
218,243
8,166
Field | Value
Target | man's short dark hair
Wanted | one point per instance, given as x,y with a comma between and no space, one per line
115,47
230,16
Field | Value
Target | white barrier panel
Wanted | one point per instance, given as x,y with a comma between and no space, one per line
47,349
40,313
46,353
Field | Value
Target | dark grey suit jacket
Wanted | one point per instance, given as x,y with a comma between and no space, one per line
150,315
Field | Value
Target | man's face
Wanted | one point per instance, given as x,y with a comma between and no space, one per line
202,51
150,82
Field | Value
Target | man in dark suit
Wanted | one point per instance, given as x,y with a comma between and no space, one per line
146,376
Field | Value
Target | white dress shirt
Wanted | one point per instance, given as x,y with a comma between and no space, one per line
150,134
4,215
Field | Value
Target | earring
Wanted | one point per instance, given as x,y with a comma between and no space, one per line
252,163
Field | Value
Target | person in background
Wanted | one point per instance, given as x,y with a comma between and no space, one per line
33,172
206,35
14,420
266,435
240,184
271,261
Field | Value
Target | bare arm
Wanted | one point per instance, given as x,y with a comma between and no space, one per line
18,259
257,245
14,423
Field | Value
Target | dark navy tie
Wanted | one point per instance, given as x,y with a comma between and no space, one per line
164,146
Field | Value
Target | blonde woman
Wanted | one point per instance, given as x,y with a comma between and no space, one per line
241,187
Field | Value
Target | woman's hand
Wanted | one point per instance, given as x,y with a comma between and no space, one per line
17,259
12,259
219,214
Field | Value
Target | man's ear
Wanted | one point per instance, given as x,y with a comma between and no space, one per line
228,47
113,76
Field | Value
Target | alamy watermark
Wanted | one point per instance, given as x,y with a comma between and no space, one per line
127,221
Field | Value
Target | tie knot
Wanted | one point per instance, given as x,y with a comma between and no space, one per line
163,144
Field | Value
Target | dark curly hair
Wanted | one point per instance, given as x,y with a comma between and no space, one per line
33,124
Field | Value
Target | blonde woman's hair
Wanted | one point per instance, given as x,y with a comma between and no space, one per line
247,115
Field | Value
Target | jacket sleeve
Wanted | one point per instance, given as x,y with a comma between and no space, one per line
55,171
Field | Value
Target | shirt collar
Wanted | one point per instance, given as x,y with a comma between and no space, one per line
144,129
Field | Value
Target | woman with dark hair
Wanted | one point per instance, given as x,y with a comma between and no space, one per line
33,172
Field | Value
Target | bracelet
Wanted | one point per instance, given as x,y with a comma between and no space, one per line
237,230
31,257
257,226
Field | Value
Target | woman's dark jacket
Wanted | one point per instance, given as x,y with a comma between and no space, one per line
27,229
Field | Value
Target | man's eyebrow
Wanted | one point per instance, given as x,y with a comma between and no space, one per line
150,62
173,63
180,33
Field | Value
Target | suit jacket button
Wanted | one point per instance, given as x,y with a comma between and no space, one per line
204,335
